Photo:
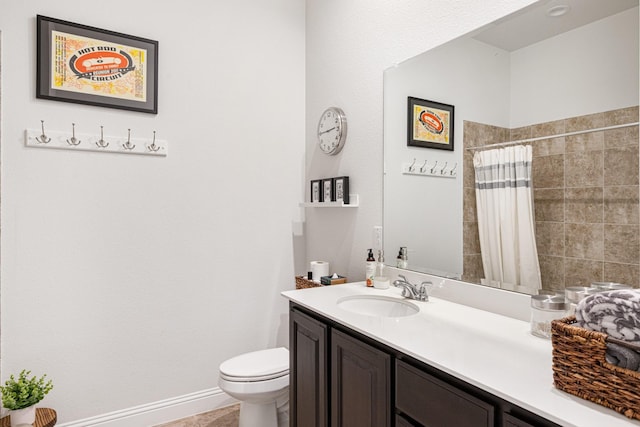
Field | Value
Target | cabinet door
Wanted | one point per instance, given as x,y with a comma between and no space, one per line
360,383
308,371
434,403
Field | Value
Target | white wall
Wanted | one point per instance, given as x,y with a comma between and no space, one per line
349,44
128,279
589,73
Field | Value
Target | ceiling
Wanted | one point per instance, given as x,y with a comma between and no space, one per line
533,24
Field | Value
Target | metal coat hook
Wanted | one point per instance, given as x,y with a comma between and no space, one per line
411,167
443,168
127,145
423,168
153,147
453,170
73,140
102,143
434,167
43,139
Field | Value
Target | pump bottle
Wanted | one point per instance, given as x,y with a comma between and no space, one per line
370,268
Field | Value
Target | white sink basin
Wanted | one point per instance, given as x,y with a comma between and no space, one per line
378,306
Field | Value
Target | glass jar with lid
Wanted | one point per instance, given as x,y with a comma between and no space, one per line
544,309
574,294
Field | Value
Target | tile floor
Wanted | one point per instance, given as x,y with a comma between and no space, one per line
223,417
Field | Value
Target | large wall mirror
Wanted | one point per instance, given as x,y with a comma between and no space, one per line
560,77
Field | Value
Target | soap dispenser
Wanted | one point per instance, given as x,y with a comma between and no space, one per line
402,261
380,264
370,268
380,281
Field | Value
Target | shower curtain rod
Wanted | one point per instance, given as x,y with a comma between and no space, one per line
522,141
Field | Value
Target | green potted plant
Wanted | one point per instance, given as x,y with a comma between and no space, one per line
21,395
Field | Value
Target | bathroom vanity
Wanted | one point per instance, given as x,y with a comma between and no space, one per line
444,364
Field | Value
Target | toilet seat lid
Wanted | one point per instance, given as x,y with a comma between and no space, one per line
270,363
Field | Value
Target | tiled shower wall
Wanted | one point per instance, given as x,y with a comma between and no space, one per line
586,198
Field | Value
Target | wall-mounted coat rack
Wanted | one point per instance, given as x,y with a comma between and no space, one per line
443,170
71,140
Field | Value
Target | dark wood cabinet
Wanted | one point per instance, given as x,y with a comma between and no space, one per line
360,383
433,402
341,378
509,420
309,374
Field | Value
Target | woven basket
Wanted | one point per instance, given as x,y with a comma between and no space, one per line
580,368
303,283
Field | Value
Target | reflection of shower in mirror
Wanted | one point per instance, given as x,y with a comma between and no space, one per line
531,89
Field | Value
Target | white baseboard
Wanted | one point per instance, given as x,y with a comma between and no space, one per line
160,412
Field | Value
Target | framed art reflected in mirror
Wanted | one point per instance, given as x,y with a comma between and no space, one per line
430,124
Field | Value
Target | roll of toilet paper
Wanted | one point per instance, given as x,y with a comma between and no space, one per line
318,269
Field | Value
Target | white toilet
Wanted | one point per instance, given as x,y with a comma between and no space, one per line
260,381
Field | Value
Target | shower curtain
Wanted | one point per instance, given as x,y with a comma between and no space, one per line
506,224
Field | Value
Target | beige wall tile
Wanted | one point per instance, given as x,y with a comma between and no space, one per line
469,205
548,147
583,205
582,272
629,274
621,205
471,133
584,241
621,116
549,204
468,172
621,166
584,142
548,172
550,238
471,244
548,128
478,134
473,270
520,133
622,243
584,169
590,121
621,137
552,272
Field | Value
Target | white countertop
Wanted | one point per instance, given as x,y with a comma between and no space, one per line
493,352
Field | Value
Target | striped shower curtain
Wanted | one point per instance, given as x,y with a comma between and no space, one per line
504,199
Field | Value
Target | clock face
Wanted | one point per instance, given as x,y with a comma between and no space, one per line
332,130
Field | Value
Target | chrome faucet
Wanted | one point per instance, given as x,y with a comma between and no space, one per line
409,290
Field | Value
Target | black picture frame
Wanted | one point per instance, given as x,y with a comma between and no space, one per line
341,189
327,190
430,124
316,191
122,69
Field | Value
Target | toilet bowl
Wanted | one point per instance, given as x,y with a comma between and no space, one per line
260,381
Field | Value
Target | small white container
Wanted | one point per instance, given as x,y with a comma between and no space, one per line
381,282
544,309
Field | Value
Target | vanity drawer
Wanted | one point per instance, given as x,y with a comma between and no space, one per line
433,402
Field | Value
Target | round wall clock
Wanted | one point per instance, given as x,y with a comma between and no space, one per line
332,130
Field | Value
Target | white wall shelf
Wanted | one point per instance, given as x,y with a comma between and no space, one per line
354,202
